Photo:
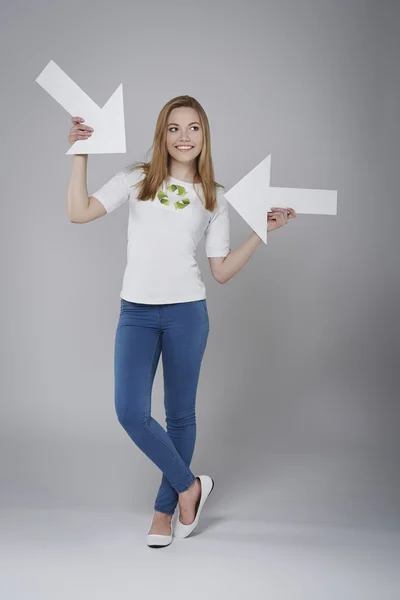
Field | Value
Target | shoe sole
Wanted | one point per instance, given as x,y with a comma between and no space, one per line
159,545
158,535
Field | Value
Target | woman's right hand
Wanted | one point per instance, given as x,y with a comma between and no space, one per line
79,131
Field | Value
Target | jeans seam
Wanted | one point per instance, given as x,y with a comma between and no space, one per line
205,310
146,421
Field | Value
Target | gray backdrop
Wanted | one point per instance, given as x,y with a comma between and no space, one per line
297,405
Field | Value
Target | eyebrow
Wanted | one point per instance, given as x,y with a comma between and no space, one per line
194,122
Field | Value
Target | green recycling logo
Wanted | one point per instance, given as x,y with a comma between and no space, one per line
176,190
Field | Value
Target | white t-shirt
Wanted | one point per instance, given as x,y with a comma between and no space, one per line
163,234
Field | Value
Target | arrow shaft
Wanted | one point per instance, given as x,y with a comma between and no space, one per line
67,93
316,202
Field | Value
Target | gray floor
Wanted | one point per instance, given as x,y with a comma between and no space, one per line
74,555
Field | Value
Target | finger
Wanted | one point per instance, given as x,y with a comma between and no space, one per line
281,215
83,133
278,209
78,126
84,128
283,212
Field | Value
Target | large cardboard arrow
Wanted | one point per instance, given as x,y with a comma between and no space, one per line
252,197
108,122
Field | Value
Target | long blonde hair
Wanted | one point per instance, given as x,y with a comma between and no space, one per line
156,170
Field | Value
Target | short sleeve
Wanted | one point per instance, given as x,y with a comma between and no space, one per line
217,233
114,192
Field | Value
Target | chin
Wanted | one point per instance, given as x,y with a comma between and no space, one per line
182,158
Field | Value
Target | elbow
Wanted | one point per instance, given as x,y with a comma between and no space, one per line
74,220
220,278
220,275
70,218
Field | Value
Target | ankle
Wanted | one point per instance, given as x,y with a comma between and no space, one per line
162,516
190,490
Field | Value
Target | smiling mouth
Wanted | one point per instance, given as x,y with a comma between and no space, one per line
184,148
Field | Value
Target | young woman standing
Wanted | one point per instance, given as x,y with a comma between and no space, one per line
173,202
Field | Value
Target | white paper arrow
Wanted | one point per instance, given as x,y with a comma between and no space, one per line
253,197
108,122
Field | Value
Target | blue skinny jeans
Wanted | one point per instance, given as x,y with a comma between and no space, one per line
179,333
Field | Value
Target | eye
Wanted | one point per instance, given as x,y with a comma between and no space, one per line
194,126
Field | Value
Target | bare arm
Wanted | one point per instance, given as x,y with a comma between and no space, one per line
223,268
78,200
81,209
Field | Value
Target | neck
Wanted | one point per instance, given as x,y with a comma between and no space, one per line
182,171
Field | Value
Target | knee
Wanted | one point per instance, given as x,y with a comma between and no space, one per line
132,421
181,420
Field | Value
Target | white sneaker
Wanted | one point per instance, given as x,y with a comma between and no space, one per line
158,540
181,530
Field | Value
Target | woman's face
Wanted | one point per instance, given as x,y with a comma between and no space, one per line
184,129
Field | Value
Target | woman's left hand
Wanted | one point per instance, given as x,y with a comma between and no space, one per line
278,217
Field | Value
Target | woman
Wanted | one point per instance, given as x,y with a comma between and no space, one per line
173,201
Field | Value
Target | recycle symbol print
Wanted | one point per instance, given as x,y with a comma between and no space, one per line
177,190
